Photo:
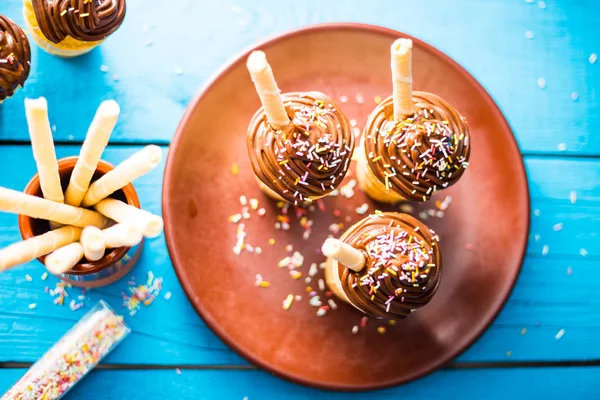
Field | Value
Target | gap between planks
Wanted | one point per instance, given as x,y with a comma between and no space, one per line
524,154
453,366
113,143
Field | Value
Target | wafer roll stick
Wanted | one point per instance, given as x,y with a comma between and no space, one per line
64,258
345,254
92,243
122,235
95,142
36,207
28,250
266,87
135,166
151,225
401,52
36,111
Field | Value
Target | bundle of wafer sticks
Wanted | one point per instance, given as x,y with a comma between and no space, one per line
84,220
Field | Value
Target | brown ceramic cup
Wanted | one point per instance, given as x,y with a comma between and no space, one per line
116,263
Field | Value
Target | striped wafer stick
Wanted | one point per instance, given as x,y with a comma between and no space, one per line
29,250
35,207
95,142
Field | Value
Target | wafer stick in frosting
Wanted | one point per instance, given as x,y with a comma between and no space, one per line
28,250
344,253
122,235
135,166
63,259
401,52
92,243
266,87
35,207
95,142
36,111
151,225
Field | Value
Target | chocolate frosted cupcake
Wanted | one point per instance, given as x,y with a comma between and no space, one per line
300,144
386,265
15,58
414,143
68,28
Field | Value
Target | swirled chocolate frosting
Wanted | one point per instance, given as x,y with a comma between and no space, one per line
15,57
307,159
84,20
421,154
403,267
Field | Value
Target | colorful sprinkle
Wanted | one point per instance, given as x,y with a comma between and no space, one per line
545,250
541,82
560,334
287,303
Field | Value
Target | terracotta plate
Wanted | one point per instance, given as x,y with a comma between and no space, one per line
483,233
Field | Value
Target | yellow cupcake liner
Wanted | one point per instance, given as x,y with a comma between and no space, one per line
370,184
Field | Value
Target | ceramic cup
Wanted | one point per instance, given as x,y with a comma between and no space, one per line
116,263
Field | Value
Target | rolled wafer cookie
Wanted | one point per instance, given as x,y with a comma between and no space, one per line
401,63
35,207
63,259
42,144
344,253
95,142
135,166
92,243
122,235
150,224
266,87
30,249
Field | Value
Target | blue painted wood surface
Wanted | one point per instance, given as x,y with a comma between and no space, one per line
167,49
486,37
489,384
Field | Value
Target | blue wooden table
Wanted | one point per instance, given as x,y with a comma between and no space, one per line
544,344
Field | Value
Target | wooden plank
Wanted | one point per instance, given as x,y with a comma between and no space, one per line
487,38
545,300
522,383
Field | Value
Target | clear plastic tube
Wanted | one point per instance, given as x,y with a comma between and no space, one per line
72,357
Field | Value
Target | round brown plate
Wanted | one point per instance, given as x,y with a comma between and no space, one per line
483,233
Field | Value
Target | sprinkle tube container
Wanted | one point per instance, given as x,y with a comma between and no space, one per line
72,357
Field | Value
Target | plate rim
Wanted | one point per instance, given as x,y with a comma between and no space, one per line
167,182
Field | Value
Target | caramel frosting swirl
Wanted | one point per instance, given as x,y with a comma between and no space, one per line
421,154
84,20
15,57
403,265
307,159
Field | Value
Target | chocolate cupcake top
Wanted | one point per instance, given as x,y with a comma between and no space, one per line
84,20
307,159
403,265
421,154
15,57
